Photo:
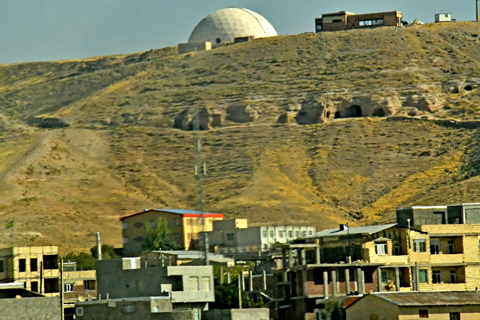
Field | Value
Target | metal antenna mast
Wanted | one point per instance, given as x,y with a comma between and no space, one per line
476,18
200,172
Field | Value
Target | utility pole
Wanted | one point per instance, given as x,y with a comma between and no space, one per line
99,247
476,18
62,296
200,172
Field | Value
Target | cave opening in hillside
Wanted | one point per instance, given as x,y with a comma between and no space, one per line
354,111
379,113
468,88
327,115
338,115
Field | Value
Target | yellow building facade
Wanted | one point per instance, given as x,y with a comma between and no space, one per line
36,267
186,226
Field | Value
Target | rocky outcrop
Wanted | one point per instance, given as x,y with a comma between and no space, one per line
47,123
428,103
288,117
241,113
207,119
315,111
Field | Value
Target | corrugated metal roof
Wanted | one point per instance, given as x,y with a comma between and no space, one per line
431,298
352,231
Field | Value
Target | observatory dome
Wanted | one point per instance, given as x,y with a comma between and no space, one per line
229,23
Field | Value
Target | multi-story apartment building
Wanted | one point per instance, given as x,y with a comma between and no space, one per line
428,249
185,224
234,235
36,267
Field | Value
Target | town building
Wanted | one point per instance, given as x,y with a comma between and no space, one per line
346,20
232,236
19,303
145,308
438,305
35,267
428,249
165,258
187,286
185,225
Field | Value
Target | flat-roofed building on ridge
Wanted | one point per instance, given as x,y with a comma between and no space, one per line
344,20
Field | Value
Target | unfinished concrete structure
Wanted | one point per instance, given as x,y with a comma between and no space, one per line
343,20
430,249
36,267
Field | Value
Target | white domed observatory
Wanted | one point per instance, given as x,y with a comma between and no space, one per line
230,23
225,25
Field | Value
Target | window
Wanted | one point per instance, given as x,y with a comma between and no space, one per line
50,262
451,247
176,236
434,247
436,276
194,283
422,313
419,245
297,234
336,20
280,234
384,276
271,234
381,248
439,216
230,236
125,225
423,276
79,311
310,233
290,235
176,222
304,234
206,284
22,265
453,276
264,234
34,286
396,250
68,287
51,285
2,267
34,264
88,284
454,315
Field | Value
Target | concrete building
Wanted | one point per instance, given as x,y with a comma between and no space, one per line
430,249
346,20
230,236
163,258
146,308
453,305
194,47
185,224
17,303
35,267
187,286
237,314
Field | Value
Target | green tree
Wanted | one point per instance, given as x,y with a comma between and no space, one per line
159,237
84,260
108,252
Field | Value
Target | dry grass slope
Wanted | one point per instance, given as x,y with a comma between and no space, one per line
120,154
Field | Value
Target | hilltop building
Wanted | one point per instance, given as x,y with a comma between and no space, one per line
428,249
185,224
444,17
344,20
227,25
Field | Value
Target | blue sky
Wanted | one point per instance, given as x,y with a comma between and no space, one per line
32,30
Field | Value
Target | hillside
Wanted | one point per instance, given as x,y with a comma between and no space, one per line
84,142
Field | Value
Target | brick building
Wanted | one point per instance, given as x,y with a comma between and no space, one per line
185,224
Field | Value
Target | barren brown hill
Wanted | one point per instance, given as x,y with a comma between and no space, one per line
309,129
